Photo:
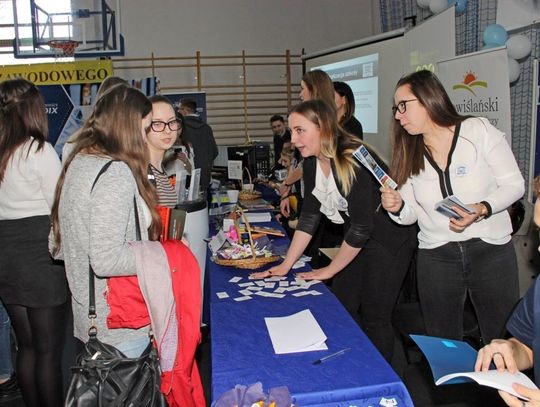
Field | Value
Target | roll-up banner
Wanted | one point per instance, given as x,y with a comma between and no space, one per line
478,85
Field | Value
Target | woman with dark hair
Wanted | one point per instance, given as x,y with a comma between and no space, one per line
164,131
33,289
438,153
374,256
346,106
94,221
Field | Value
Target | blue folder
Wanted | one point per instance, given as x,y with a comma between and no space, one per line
446,356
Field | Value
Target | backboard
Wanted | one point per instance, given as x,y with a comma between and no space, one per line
93,24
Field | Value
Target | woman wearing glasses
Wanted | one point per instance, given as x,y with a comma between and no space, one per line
161,137
438,153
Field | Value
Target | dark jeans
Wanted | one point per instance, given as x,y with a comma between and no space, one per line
487,273
369,287
6,367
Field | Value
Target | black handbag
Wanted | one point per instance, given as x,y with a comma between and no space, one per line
104,376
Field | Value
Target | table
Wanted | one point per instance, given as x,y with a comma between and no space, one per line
242,351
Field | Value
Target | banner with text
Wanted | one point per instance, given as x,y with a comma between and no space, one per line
478,85
60,73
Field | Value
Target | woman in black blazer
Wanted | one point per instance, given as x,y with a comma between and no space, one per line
374,256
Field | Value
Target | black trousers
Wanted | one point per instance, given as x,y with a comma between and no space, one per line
369,288
487,273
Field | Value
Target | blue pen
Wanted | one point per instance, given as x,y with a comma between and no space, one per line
333,355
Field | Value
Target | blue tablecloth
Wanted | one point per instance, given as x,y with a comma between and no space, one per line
242,351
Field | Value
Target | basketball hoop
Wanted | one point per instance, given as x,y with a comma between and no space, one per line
63,48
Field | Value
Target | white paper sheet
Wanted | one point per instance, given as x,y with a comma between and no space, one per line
255,217
299,332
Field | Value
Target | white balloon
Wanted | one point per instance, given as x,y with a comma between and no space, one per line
436,6
518,46
423,3
513,70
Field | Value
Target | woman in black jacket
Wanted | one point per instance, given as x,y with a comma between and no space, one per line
374,256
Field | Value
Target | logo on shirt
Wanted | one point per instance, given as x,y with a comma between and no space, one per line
461,170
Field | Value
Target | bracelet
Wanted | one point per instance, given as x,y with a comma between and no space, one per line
483,215
284,197
398,212
488,208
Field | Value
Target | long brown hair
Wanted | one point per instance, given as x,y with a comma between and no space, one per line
336,143
22,118
320,87
408,151
114,130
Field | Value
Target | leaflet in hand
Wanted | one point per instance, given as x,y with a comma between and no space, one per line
445,207
366,159
453,361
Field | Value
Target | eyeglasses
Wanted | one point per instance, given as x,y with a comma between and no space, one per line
401,107
159,126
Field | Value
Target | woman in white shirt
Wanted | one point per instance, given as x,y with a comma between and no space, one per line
33,289
438,153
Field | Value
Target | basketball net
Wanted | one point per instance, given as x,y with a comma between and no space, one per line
63,48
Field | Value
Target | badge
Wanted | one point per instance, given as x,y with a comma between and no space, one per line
462,170
342,204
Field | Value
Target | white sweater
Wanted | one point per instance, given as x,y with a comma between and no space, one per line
482,168
29,182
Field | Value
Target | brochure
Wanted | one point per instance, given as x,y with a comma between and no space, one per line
445,207
366,159
452,361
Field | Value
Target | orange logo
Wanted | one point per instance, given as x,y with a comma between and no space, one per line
470,81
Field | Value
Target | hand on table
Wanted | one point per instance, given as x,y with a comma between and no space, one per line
279,270
320,274
532,394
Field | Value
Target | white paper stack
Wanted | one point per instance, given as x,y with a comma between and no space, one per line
255,217
299,332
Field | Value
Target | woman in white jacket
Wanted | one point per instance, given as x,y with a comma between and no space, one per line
438,153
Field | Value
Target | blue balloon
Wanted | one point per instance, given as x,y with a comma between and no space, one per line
461,5
488,46
495,34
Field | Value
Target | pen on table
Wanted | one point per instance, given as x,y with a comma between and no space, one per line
333,355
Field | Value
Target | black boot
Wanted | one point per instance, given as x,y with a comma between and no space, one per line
9,390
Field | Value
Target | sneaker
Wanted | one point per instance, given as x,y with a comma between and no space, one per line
9,389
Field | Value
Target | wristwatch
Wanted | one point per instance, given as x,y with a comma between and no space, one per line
484,212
